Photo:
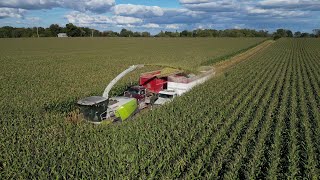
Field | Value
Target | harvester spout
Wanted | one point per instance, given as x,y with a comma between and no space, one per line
116,79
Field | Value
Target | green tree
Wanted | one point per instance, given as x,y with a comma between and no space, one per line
145,34
305,35
297,34
6,32
280,33
136,34
85,32
72,30
110,34
126,33
168,34
41,31
161,34
184,33
17,33
289,33
316,32
55,29
47,33
203,33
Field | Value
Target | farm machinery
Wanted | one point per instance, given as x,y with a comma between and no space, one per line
150,84
180,83
155,88
99,109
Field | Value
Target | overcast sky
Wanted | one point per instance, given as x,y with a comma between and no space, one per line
157,15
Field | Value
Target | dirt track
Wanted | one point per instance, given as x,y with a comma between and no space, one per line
227,64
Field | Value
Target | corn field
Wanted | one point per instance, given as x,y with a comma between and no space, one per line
258,120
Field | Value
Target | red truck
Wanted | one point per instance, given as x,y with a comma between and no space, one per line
150,84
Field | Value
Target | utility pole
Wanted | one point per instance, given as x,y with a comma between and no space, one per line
37,31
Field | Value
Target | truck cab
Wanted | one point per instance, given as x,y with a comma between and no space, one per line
138,92
143,95
165,97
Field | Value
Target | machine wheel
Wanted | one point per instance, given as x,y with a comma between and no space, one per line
136,112
117,120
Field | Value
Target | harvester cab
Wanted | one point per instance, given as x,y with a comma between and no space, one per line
96,109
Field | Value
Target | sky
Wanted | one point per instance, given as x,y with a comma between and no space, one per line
166,15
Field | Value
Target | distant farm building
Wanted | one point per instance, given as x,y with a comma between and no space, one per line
62,35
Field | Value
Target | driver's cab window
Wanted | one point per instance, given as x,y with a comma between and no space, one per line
134,91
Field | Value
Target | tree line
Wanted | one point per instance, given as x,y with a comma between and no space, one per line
288,33
74,31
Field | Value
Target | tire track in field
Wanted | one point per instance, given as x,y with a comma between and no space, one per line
227,64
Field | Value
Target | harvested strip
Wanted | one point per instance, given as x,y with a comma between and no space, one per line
225,65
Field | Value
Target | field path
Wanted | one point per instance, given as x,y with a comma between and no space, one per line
223,66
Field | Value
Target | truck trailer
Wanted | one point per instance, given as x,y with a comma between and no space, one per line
150,84
181,83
